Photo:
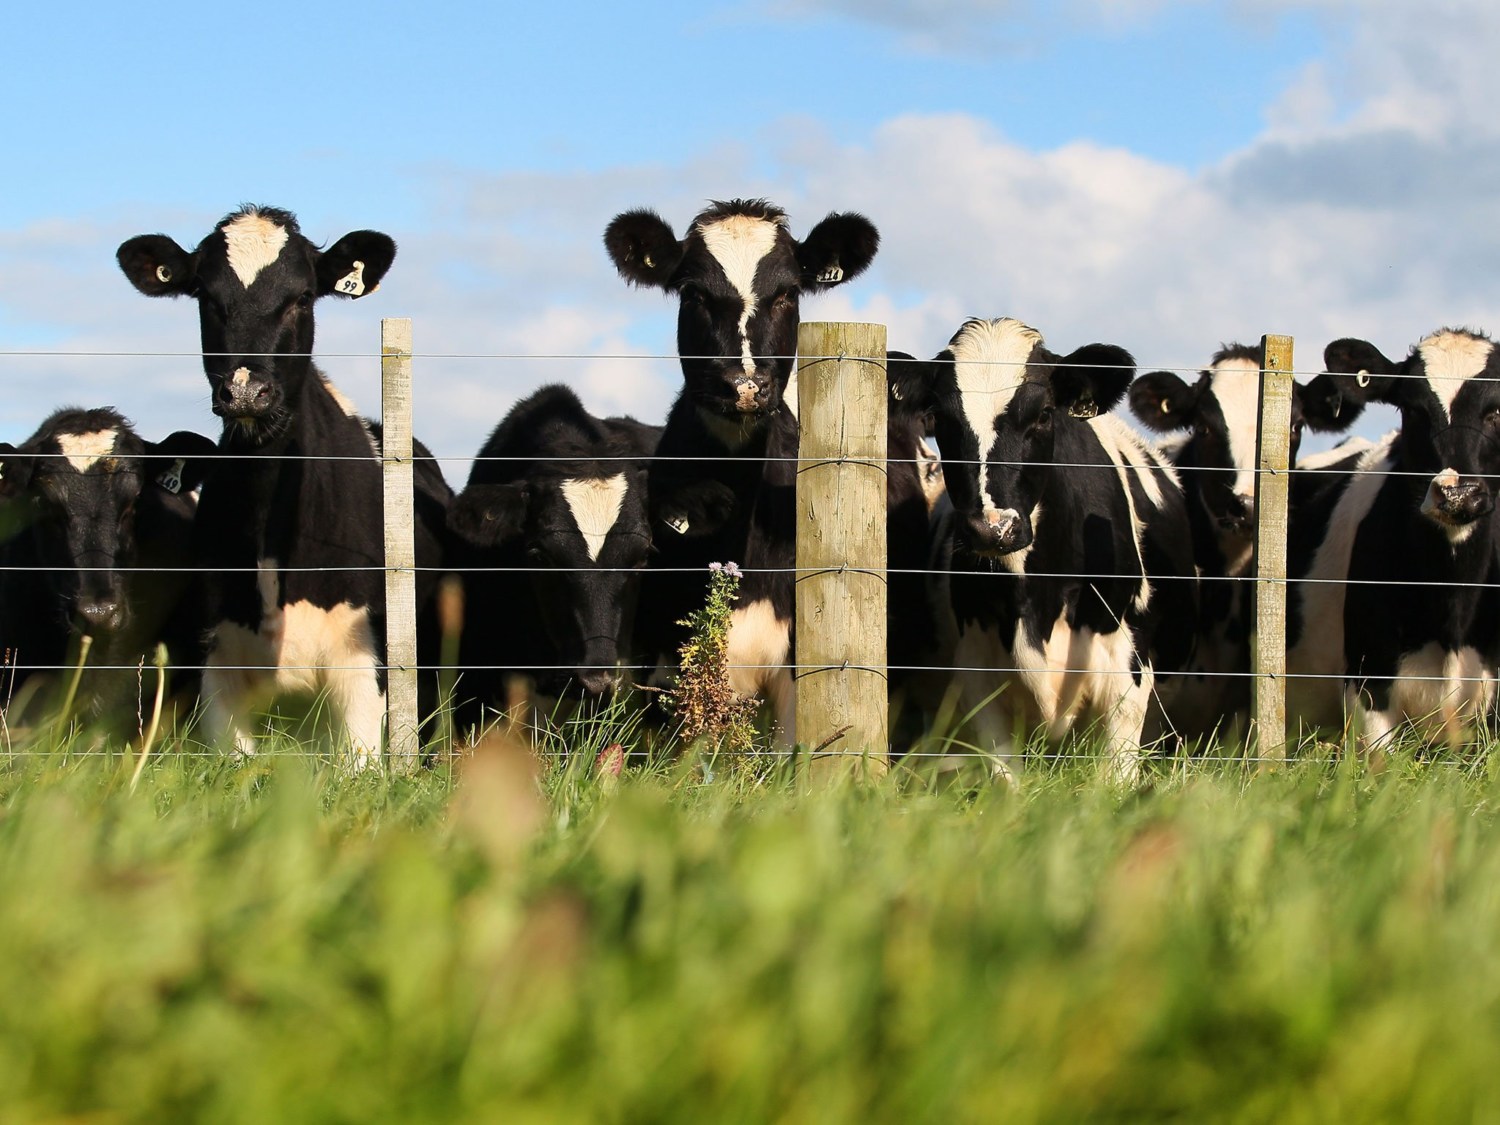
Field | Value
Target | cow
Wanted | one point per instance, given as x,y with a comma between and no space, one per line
1216,461
723,486
1393,619
97,527
551,533
1067,550
290,520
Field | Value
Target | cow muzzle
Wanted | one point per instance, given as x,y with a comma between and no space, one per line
244,395
1456,501
999,531
751,396
99,615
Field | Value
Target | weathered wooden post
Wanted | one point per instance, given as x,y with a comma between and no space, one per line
841,558
400,545
1272,481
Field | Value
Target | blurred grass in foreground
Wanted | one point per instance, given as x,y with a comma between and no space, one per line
277,942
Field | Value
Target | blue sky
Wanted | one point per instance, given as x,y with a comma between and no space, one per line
1163,174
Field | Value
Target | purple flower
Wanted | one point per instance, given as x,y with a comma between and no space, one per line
732,570
717,566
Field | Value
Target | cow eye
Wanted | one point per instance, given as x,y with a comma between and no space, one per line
1492,416
782,300
305,300
1044,419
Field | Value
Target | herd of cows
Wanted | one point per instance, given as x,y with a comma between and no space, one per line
1060,572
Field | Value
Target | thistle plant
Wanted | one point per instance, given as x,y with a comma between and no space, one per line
706,706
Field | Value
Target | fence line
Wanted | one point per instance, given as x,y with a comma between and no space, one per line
1268,575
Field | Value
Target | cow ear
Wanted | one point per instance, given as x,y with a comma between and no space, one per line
15,471
355,264
643,248
1093,379
836,250
157,266
1163,402
1356,373
180,462
485,515
909,380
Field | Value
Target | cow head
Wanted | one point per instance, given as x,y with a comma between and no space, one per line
580,526
79,486
739,275
1221,412
999,397
1448,392
255,278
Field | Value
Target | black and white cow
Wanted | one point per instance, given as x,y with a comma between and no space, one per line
97,529
557,503
1216,462
290,520
1069,542
724,486
1397,622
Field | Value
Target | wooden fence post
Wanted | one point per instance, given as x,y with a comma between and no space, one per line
1272,483
402,731
842,694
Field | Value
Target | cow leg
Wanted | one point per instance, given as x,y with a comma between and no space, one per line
359,705
984,693
225,712
760,646
1123,725
236,680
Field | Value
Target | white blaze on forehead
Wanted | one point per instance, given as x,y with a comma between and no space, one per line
595,503
1451,359
739,243
989,364
1236,384
82,450
254,242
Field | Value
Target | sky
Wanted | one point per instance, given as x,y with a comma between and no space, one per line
1167,175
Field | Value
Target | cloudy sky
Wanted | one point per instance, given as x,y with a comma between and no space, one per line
1162,174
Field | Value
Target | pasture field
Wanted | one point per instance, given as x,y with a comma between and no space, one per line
277,942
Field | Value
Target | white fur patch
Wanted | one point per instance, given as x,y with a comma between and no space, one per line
1319,652
989,365
254,242
595,503
1450,360
739,243
1443,694
1236,384
1133,461
83,450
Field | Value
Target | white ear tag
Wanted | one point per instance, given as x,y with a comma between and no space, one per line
831,275
163,274
171,480
1363,378
679,525
352,284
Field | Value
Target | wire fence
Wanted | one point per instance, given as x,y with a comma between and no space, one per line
1015,678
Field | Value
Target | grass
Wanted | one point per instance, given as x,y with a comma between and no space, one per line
279,942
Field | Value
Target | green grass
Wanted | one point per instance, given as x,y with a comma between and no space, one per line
277,942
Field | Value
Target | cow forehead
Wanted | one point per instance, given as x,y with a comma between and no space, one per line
82,451
1235,384
595,503
1450,360
252,242
739,243
989,364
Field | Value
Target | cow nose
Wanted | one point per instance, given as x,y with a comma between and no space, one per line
751,393
243,394
1001,531
596,681
1457,500
99,615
